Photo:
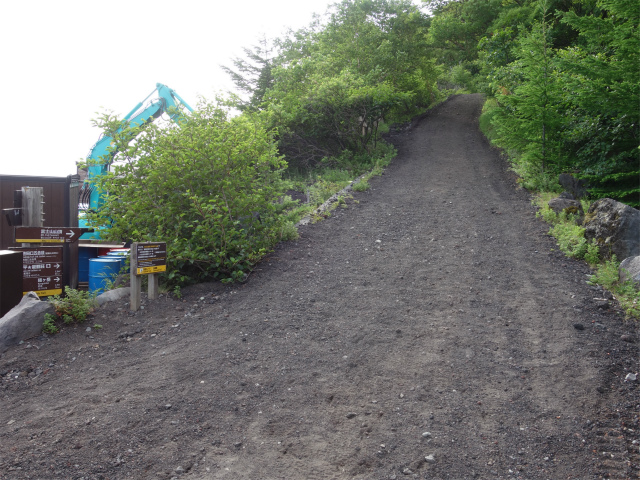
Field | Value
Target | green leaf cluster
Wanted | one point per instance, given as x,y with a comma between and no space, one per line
208,188
567,85
74,307
336,86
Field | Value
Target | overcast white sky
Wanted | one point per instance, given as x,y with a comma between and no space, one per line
62,61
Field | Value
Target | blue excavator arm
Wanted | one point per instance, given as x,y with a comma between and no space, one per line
101,155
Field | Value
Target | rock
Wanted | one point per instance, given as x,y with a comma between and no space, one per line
628,338
578,326
426,435
112,295
615,228
576,188
351,415
630,269
430,459
568,206
631,377
23,321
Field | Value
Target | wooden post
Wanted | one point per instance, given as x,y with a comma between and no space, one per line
147,258
153,286
32,207
136,280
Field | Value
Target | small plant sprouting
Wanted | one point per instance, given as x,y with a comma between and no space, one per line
74,307
49,325
361,186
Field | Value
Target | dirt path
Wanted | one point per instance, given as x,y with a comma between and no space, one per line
425,331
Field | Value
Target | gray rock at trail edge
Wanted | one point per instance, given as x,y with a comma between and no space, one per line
566,205
112,295
23,321
577,188
630,269
615,228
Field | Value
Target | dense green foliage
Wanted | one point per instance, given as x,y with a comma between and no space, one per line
207,188
565,74
74,307
337,88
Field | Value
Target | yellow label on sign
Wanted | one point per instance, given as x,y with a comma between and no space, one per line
39,240
46,293
146,270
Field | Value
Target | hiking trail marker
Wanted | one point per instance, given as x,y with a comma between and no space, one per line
48,234
148,258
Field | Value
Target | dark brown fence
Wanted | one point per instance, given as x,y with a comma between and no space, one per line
60,201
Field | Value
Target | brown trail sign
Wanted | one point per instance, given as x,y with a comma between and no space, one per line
48,234
147,258
41,270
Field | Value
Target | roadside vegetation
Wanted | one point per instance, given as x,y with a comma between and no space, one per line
569,234
74,307
312,109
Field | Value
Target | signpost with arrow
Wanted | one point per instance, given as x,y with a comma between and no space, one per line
41,270
42,266
48,234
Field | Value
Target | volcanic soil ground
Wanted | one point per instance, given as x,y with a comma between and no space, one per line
429,329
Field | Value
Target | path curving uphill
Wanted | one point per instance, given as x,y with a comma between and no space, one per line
427,330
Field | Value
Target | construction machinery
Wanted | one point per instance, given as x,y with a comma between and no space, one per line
102,153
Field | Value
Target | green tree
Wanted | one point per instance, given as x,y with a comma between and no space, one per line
529,121
333,91
208,188
602,93
252,75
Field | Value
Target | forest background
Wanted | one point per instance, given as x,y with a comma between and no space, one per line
560,78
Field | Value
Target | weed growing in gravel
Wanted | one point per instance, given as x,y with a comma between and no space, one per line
569,235
74,307
570,238
627,293
49,325
361,186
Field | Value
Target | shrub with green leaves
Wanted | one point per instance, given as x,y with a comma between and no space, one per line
73,307
207,187
627,293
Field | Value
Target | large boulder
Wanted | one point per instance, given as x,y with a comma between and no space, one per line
630,270
615,228
23,321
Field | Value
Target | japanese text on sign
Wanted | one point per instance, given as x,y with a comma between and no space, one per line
151,258
48,234
41,270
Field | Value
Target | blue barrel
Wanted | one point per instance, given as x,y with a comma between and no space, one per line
117,257
102,271
84,254
123,254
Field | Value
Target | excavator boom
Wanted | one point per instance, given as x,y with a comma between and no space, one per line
101,154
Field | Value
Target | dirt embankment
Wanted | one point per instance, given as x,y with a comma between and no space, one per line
428,330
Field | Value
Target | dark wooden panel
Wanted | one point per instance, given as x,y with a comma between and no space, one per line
54,189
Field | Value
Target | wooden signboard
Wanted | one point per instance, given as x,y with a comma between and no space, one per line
48,234
41,270
151,258
147,258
